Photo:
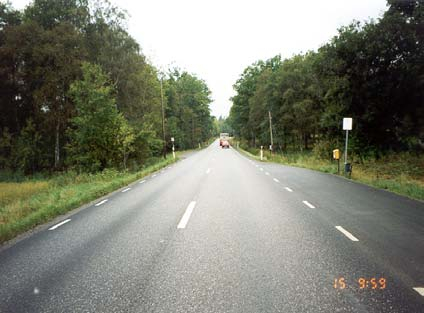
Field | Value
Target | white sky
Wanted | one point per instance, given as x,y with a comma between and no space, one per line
217,39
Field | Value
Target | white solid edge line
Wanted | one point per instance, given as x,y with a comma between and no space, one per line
101,202
60,224
126,189
346,233
184,220
208,171
143,181
288,189
266,173
420,290
276,180
308,204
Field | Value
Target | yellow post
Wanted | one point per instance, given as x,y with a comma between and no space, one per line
336,156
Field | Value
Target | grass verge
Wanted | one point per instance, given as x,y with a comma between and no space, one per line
27,204
401,173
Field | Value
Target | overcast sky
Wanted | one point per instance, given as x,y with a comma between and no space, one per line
217,39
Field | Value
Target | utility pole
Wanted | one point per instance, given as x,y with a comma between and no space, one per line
270,131
163,117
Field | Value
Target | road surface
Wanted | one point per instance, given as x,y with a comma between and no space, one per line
217,232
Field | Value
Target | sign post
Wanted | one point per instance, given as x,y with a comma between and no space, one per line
173,148
270,131
347,125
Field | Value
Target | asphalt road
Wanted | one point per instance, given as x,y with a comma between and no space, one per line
218,232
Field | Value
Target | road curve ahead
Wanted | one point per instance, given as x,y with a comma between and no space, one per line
217,232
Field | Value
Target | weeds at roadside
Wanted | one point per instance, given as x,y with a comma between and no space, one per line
27,204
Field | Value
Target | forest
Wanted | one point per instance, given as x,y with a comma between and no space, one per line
370,71
77,92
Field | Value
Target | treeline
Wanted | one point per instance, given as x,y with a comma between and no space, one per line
223,125
372,72
77,92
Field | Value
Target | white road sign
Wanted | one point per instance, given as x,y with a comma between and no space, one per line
347,123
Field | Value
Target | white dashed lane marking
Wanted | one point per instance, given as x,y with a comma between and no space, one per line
101,202
208,171
288,189
143,181
346,233
60,224
420,290
266,173
276,180
308,204
184,220
126,189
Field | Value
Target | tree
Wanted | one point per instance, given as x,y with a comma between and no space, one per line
187,109
26,152
100,136
372,72
41,52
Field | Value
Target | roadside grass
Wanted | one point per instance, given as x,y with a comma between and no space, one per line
401,173
9,191
30,203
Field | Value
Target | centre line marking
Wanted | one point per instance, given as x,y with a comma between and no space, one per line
266,173
60,224
184,220
308,204
143,181
256,165
346,233
276,180
261,169
101,202
126,189
208,171
288,189
420,290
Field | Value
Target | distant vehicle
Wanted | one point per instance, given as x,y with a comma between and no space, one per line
222,137
225,144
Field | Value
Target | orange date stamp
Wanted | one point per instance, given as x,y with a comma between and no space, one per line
362,283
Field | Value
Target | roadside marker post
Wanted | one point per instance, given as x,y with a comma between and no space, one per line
173,148
347,125
262,153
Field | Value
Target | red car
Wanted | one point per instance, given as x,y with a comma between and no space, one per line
225,144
